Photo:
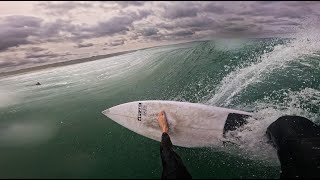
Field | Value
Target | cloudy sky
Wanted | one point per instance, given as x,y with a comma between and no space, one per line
33,33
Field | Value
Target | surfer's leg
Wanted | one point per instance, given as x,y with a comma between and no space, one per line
162,120
297,140
171,162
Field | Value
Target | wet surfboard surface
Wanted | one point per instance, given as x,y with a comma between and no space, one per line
190,124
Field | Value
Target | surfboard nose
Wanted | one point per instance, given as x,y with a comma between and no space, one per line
106,112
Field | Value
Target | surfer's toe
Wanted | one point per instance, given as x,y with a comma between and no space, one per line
163,122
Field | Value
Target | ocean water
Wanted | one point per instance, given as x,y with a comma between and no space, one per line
57,130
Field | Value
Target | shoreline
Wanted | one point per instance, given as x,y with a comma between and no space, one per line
77,61
64,63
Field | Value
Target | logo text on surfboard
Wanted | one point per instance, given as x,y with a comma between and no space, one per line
142,110
139,111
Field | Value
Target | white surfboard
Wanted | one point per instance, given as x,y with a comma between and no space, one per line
190,124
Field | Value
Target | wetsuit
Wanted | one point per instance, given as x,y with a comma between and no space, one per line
297,140
173,167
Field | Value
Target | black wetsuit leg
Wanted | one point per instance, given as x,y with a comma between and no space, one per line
297,140
172,164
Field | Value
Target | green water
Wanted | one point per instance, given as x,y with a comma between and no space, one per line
57,130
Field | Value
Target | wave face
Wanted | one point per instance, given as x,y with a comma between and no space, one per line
270,77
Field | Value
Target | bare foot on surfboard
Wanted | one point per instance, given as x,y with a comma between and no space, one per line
162,120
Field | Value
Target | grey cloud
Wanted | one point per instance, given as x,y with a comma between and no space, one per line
67,53
191,21
31,49
130,3
133,36
112,26
12,42
236,29
31,59
53,28
144,13
166,26
301,3
18,30
213,8
121,4
189,25
4,64
47,54
83,45
276,22
185,9
11,62
285,23
50,31
19,21
268,2
115,25
278,10
189,18
266,21
36,49
255,12
199,22
289,14
149,31
15,30
117,42
240,30
182,33
180,10
235,19
61,7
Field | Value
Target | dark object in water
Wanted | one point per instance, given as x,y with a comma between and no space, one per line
38,83
234,121
297,140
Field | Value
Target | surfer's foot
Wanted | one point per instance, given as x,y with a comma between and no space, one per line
163,122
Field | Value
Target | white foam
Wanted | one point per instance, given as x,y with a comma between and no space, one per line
251,138
305,43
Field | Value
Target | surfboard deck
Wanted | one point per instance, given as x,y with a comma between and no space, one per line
190,124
